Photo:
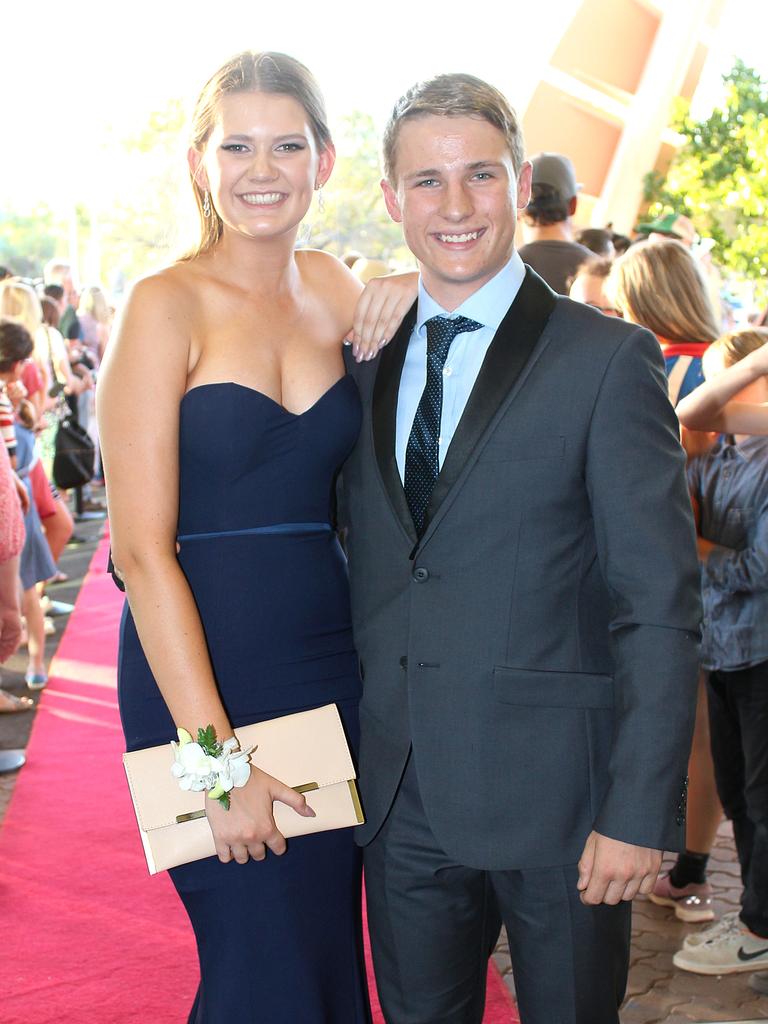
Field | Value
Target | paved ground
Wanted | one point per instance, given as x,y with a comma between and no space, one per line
657,993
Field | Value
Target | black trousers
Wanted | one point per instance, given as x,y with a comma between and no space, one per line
433,924
738,725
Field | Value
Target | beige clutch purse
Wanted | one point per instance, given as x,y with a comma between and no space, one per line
307,751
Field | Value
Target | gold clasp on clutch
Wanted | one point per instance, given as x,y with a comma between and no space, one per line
306,788
189,817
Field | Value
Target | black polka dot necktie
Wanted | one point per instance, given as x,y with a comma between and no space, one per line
422,455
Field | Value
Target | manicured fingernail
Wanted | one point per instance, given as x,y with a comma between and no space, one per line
347,342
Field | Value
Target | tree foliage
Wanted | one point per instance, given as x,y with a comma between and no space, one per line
719,177
355,217
28,240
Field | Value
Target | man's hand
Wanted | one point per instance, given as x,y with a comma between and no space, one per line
611,871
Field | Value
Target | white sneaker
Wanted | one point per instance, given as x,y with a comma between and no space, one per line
732,952
728,923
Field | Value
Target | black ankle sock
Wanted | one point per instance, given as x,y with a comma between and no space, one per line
690,868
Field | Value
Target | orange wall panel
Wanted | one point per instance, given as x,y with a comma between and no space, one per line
554,122
608,40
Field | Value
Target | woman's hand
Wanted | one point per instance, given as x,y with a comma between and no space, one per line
248,827
379,312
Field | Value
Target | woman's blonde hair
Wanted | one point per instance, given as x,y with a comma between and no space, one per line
19,302
94,301
658,285
735,345
251,72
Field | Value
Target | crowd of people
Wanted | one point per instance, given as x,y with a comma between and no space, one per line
614,489
51,344
657,281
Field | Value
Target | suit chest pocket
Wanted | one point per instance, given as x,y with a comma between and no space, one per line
523,448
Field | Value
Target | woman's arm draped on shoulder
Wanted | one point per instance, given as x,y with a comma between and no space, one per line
372,314
709,407
379,312
142,381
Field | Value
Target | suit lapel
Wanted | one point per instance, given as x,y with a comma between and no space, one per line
384,419
505,360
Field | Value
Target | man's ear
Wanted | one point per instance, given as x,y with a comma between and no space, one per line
524,185
391,202
195,162
572,203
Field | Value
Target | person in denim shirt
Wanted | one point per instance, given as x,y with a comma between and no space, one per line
729,486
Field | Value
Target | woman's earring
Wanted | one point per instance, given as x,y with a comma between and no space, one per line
320,199
206,204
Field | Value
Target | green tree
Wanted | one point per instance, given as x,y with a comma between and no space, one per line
29,240
142,224
355,217
719,177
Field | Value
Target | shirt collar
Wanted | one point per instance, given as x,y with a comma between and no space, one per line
488,305
747,449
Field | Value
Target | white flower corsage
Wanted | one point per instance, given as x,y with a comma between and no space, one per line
210,765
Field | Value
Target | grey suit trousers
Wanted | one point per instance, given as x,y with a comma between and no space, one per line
434,922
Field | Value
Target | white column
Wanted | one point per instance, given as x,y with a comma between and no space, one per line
682,26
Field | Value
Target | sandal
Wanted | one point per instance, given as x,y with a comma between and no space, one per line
10,703
35,681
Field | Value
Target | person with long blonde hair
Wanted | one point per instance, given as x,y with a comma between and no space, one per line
658,285
224,415
94,315
19,302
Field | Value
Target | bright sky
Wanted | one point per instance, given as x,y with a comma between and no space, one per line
70,73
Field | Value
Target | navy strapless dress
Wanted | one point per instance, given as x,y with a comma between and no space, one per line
279,941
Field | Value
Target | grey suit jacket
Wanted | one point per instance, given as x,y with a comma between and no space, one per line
537,648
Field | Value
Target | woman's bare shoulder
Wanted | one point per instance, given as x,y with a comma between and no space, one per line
332,280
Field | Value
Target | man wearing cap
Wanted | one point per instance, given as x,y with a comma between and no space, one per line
551,250
671,225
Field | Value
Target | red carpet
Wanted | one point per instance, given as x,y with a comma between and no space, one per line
87,936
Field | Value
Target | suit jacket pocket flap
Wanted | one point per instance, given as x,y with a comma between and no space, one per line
307,749
530,688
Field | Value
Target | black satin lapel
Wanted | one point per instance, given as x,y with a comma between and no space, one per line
505,360
384,418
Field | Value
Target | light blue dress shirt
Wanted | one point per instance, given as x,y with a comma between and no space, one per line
488,306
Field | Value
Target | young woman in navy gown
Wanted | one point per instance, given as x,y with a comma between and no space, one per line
224,415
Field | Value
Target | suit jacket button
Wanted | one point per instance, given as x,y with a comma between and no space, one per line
404,662
420,575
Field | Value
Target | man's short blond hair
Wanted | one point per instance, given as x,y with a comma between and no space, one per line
454,95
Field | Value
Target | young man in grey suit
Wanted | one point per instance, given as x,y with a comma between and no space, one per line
525,600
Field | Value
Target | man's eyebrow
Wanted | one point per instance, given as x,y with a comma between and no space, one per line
430,172
434,172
